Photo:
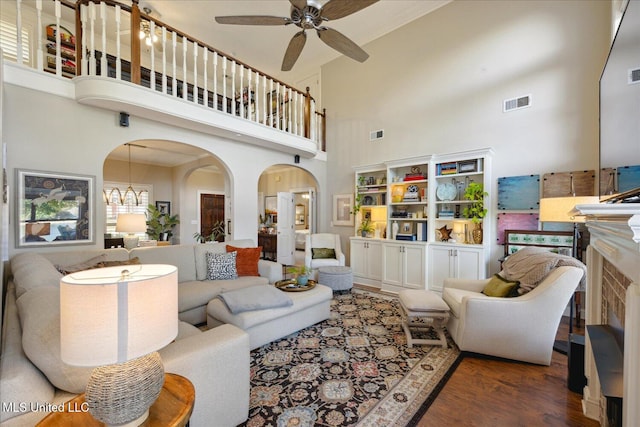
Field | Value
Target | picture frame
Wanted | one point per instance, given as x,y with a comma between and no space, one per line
407,228
163,207
468,166
54,209
342,209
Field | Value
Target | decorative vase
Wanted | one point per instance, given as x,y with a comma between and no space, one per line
476,234
302,280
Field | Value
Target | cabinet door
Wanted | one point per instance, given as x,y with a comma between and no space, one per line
414,267
374,260
393,264
358,258
469,263
439,266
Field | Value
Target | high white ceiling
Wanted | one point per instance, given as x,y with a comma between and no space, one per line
263,47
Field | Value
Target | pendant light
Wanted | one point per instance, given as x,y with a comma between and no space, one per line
122,198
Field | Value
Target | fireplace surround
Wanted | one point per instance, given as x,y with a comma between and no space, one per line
613,303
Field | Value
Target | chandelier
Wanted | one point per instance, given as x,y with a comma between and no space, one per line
122,198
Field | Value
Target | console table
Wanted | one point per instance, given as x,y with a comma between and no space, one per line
269,243
172,408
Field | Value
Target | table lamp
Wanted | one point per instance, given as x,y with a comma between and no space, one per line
562,209
116,319
131,223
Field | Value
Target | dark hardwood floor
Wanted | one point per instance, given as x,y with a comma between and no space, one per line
488,392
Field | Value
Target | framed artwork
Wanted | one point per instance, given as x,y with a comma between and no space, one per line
271,204
467,166
54,209
519,192
407,228
164,207
342,204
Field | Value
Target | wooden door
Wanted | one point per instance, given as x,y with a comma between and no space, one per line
211,212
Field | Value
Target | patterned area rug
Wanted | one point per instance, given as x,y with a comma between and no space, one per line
352,369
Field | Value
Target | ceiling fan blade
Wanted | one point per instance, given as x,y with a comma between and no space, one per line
293,50
253,20
342,44
335,9
298,4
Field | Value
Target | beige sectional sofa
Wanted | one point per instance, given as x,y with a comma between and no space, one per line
33,378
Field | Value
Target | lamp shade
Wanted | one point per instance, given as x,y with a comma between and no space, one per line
561,209
115,314
131,223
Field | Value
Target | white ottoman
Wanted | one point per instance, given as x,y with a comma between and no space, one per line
423,309
338,278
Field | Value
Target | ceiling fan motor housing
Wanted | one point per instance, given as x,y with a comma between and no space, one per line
307,18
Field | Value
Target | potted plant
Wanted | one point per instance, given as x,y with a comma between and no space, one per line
366,227
217,231
475,210
301,274
159,225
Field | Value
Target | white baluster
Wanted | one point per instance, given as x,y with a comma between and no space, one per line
290,109
271,102
103,19
256,101
92,43
185,84
174,79
118,53
215,80
58,42
152,54
164,60
205,61
233,87
264,99
241,97
250,107
224,84
195,72
40,54
84,24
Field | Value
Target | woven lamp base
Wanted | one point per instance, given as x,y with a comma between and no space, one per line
121,394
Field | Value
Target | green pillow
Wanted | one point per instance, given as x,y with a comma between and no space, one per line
317,253
498,286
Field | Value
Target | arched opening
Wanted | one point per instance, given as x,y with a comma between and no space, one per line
171,177
303,187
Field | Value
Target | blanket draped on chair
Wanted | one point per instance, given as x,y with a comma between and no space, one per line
531,265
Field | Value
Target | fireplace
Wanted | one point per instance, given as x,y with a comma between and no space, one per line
613,315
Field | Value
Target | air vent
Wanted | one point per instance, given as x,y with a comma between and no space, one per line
516,103
376,135
634,76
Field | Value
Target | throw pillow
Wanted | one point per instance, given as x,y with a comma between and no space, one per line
221,266
498,286
322,253
89,264
246,260
132,261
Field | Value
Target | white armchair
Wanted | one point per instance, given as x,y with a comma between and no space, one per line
319,241
521,328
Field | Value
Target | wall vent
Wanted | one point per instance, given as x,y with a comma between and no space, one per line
376,135
634,76
516,103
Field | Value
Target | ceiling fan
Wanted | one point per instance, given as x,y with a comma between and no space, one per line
308,15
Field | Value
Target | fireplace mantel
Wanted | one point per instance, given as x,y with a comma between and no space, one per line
615,238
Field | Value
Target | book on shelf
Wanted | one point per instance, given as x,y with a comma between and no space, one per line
421,231
410,237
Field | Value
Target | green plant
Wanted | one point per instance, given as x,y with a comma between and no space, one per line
357,204
217,231
159,224
476,210
366,227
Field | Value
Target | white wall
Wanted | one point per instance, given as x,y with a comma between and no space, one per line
437,85
55,133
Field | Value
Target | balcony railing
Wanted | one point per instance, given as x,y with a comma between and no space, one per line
124,43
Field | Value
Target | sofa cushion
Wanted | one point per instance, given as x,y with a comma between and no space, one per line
198,293
221,266
40,316
246,260
78,256
179,255
31,270
21,380
453,298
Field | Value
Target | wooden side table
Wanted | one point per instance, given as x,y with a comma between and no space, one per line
172,408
